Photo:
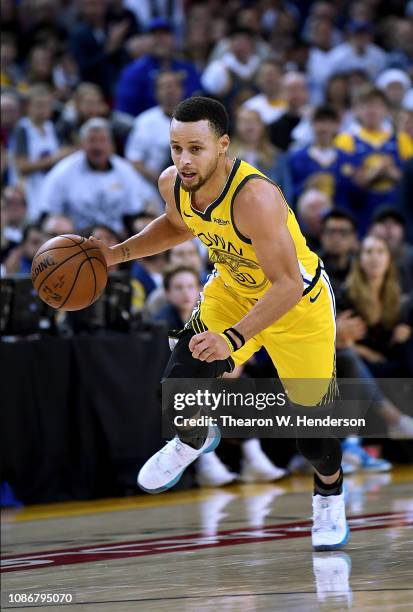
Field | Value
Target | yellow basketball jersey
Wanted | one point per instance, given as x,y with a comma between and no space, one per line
231,252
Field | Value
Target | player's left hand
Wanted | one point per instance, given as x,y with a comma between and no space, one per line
208,347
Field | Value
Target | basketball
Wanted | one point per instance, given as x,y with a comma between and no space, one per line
69,272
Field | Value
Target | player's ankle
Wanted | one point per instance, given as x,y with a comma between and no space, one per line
335,488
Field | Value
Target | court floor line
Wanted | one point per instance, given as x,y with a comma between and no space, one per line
208,597
188,542
292,484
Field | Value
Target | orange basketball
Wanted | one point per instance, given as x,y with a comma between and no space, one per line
69,272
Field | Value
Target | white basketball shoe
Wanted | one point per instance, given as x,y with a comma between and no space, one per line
330,529
164,469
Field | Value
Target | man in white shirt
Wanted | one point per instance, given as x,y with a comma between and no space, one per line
359,53
268,103
148,147
93,185
36,147
237,65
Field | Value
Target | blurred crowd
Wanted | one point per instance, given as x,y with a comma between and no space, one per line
320,98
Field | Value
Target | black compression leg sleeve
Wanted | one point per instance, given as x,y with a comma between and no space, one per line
181,364
324,454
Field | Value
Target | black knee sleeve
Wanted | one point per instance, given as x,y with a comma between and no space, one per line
181,364
324,454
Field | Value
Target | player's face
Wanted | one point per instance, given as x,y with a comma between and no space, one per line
195,150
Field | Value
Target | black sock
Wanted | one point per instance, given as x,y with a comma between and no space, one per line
320,488
194,437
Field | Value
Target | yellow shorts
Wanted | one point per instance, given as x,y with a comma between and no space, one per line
301,344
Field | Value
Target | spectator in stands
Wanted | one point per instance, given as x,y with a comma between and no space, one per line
321,165
235,70
268,103
388,223
57,225
401,33
148,147
97,44
248,17
181,285
88,102
321,37
376,153
19,260
373,292
337,96
197,45
146,277
65,75
11,73
404,198
136,223
312,205
358,52
394,84
338,245
13,214
94,185
293,124
36,146
10,111
40,69
186,254
136,86
147,10
252,144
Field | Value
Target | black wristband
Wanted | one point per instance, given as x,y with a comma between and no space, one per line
231,340
237,334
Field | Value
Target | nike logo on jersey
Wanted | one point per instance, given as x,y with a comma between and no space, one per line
313,299
186,215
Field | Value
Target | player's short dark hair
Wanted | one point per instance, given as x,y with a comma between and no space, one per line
172,271
325,113
341,214
200,108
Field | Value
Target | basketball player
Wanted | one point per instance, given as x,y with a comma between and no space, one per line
267,289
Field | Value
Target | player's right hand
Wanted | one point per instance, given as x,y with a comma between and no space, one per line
108,253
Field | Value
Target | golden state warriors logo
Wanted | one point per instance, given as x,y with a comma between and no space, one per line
245,272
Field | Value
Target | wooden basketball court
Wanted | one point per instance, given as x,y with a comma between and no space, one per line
241,548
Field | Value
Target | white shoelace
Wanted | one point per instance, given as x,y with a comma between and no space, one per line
326,516
174,448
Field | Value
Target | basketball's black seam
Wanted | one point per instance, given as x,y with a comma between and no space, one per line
61,264
67,246
91,265
74,283
57,267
